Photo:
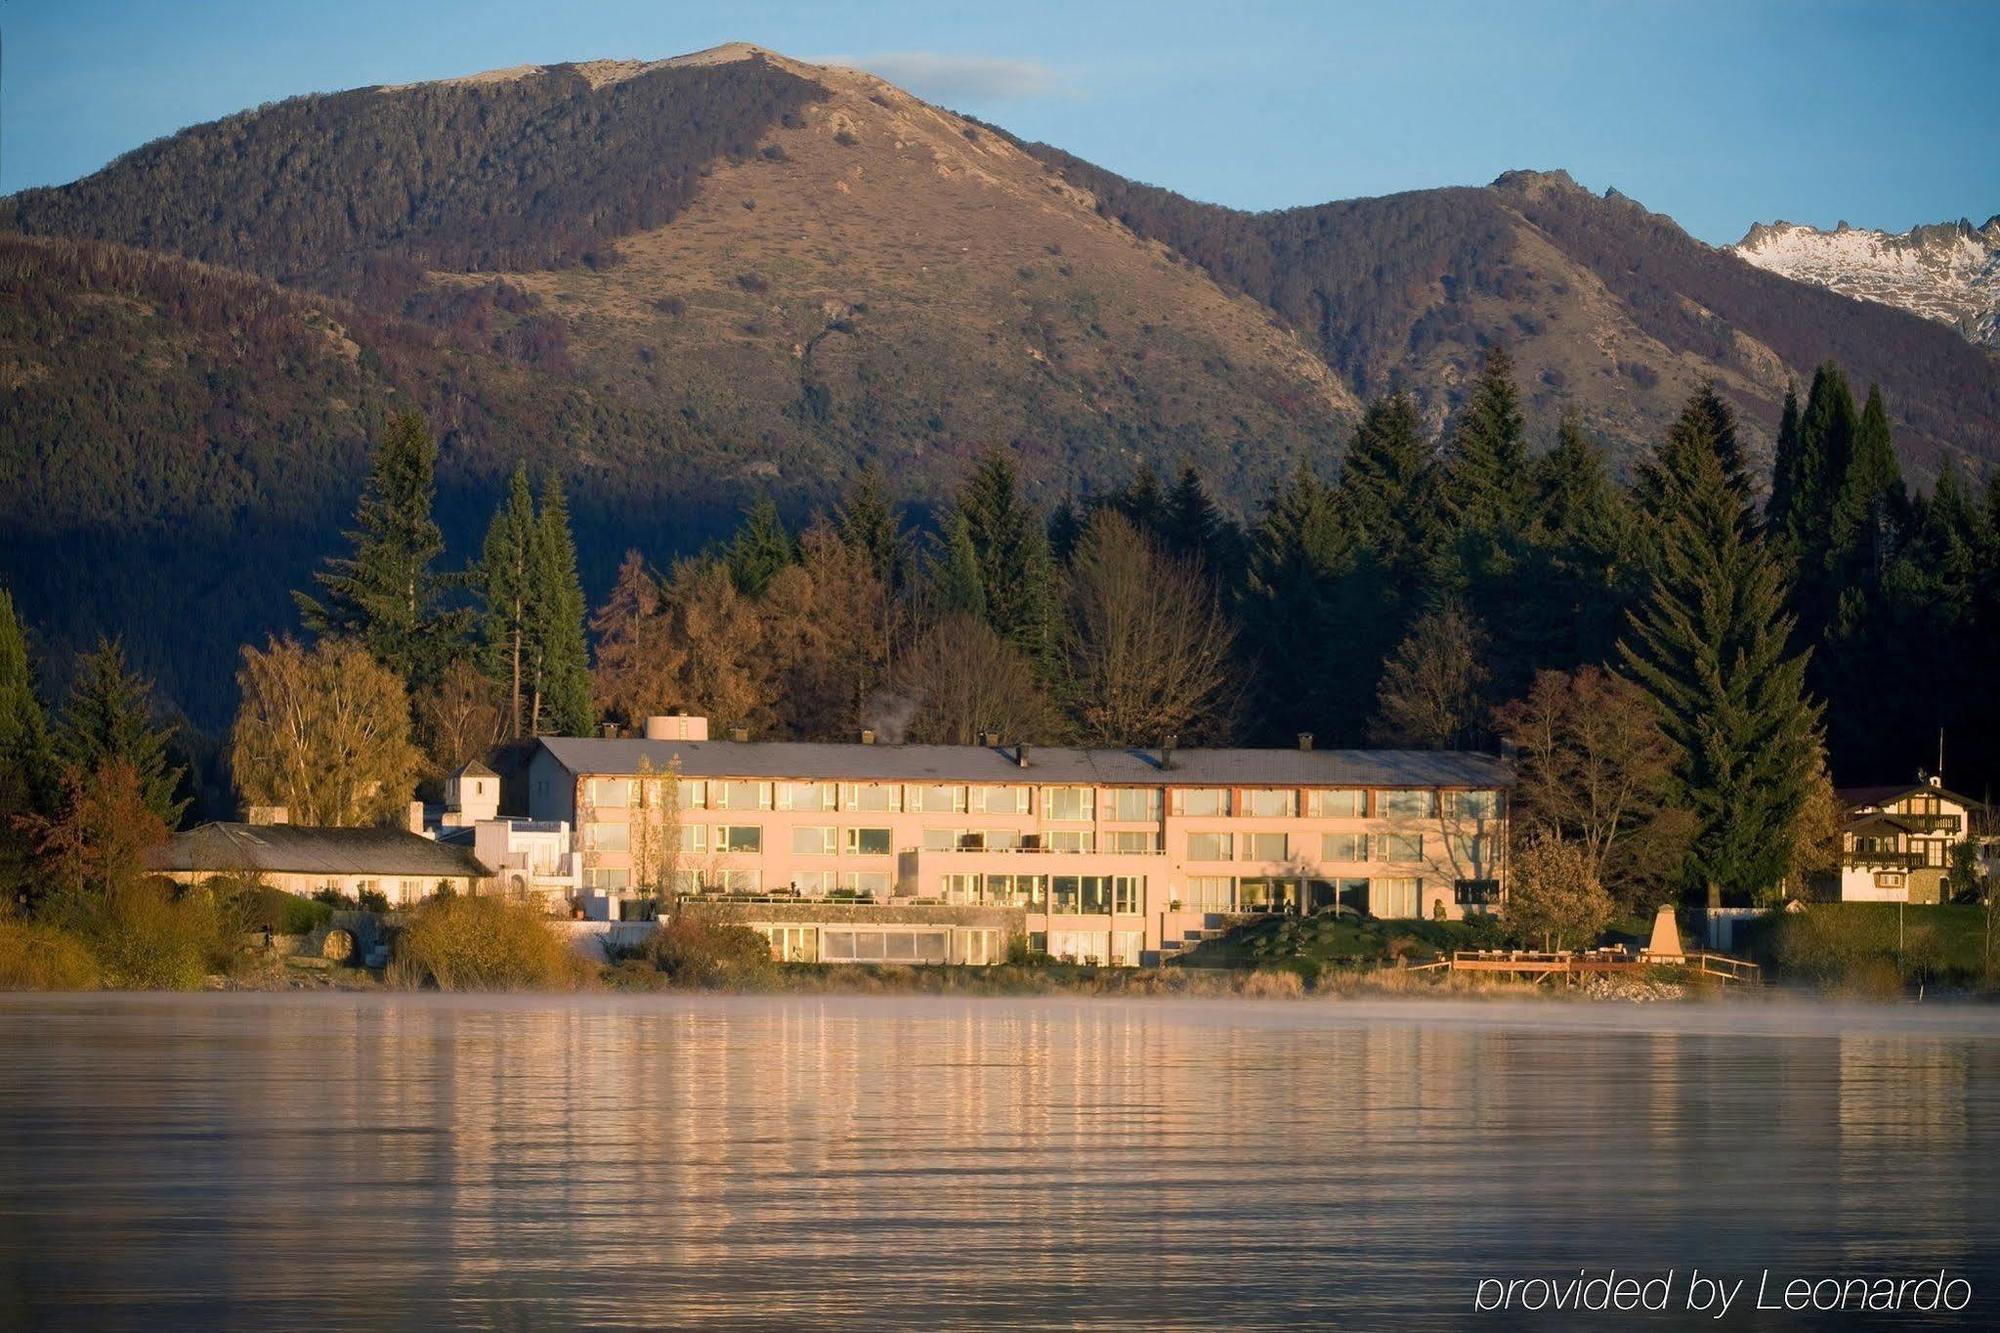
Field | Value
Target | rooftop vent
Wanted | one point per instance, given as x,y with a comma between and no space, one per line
1305,740
1021,755
868,735
741,735
1167,751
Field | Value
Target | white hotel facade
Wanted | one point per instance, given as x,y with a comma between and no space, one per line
844,852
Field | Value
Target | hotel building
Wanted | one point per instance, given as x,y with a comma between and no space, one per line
860,852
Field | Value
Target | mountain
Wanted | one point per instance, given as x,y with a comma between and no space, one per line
1949,272
686,282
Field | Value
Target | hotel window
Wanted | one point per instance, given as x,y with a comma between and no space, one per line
815,840
1128,894
1476,892
1125,947
872,882
1081,946
1395,897
1401,847
742,795
1475,804
607,837
694,794
808,796
1210,893
944,839
607,879
961,888
994,839
694,837
1470,853
1029,891
1066,893
1202,801
731,838
738,881
1000,800
812,883
1067,803
1264,847
868,842
1133,804
1336,804
882,797
1271,803
1132,842
1209,847
789,944
1069,840
979,948
1405,803
610,793
936,800
1344,848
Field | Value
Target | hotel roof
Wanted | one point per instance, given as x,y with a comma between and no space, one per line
808,761
297,849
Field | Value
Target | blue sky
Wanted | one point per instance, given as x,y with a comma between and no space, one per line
1720,114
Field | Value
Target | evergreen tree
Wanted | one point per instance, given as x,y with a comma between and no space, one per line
1141,500
1869,504
1789,473
762,547
560,702
1709,646
869,523
504,583
27,786
1300,557
1486,479
386,594
1383,487
956,586
1575,583
1190,527
109,721
1016,568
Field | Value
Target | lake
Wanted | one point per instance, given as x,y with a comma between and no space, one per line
428,1161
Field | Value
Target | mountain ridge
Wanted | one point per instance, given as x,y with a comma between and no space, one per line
1948,272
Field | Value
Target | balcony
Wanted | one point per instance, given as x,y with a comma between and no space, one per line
1933,823
1863,860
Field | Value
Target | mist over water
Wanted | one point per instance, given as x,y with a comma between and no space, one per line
428,1161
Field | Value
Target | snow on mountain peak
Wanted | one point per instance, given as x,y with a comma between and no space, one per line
1949,272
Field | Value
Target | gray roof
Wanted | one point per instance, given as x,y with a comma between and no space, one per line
293,848
977,763
472,768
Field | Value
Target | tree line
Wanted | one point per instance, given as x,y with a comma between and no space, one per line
1669,660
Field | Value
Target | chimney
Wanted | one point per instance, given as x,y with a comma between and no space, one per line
1167,751
417,817
609,731
1021,755
868,735
741,735
1305,740
267,814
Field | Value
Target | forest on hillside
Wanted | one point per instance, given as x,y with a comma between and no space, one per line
1719,658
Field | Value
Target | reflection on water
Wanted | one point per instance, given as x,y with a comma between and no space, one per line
369,1161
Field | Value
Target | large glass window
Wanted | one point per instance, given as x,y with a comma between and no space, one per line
739,838
1405,803
1407,847
1336,803
877,796
1343,848
694,794
1081,946
1209,847
814,840
1476,892
1475,804
741,795
874,883
1066,893
1470,853
936,800
1395,897
1068,803
1264,847
610,793
1210,893
1128,894
694,837
807,796
607,837
1135,803
1132,842
1203,801
884,946
1069,840
1271,803
943,839
1126,946
868,841
994,800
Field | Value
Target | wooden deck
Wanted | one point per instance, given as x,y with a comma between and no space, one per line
1588,962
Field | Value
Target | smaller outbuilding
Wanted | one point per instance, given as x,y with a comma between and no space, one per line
403,867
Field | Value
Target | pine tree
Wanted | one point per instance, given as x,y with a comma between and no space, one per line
1789,473
956,586
1190,527
1141,501
1575,581
1016,568
386,593
1300,558
1382,487
109,721
1870,503
1709,646
869,523
27,770
503,584
1486,479
762,547
560,702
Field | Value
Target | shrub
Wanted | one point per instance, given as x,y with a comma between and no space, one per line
373,900
40,957
468,943
150,938
266,908
693,952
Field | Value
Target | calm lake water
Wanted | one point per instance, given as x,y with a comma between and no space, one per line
364,1162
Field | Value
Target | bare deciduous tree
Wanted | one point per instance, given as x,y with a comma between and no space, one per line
1429,697
1147,646
459,718
323,732
1555,896
962,679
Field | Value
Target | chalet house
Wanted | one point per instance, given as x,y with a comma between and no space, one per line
1896,842
860,852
